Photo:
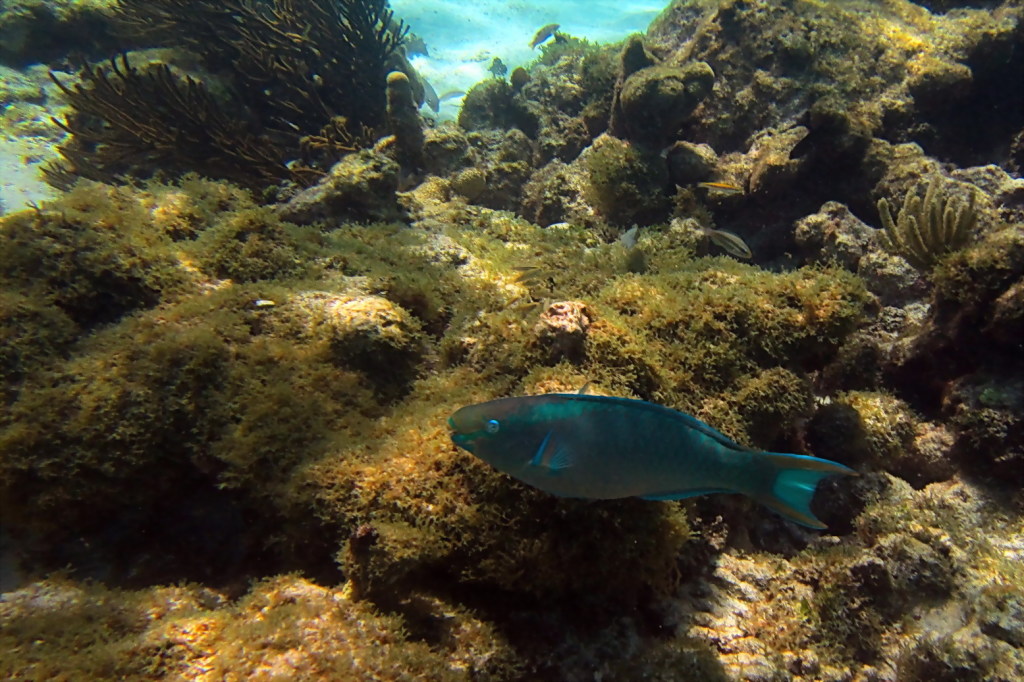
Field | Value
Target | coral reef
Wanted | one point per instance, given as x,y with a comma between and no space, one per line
217,359
927,229
33,31
286,626
655,101
361,186
404,121
304,80
130,123
223,448
625,185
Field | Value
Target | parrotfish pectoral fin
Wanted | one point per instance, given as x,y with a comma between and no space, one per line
551,455
559,460
796,478
538,457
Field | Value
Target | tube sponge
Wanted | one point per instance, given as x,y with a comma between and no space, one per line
404,121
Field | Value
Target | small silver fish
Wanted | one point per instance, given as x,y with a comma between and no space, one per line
414,45
451,94
629,237
543,33
728,242
430,96
497,68
667,150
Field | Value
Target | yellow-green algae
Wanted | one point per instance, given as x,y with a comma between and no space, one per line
626,182
284,628
195,385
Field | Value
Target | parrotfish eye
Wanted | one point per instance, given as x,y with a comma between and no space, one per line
492,426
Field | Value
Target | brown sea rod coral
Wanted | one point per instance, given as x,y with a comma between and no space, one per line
302,83
295,62
128,121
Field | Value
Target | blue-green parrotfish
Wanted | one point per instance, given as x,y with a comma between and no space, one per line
598,447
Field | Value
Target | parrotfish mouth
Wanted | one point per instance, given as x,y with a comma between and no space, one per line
460,439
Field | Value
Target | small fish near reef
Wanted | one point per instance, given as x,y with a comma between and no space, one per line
723,187
450,95
599,447
543,33
415,45
498,68
729,242
430,97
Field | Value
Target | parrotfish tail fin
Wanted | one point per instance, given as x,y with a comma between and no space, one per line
796,478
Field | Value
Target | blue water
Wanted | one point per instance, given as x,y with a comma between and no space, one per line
462,39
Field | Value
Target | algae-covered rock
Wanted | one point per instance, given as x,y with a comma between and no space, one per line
895,281
157,419
958,338
774,170
37,30
31,333
251,245
505,159
361,186
470,183
489,105
960,656
16,86
569,96
833,234
882,432
446,149
1002,613
626,184
894,67
656,100
286,624
562,329
917,570
690,163
362,331
404,121
552,195
986,410
96,258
